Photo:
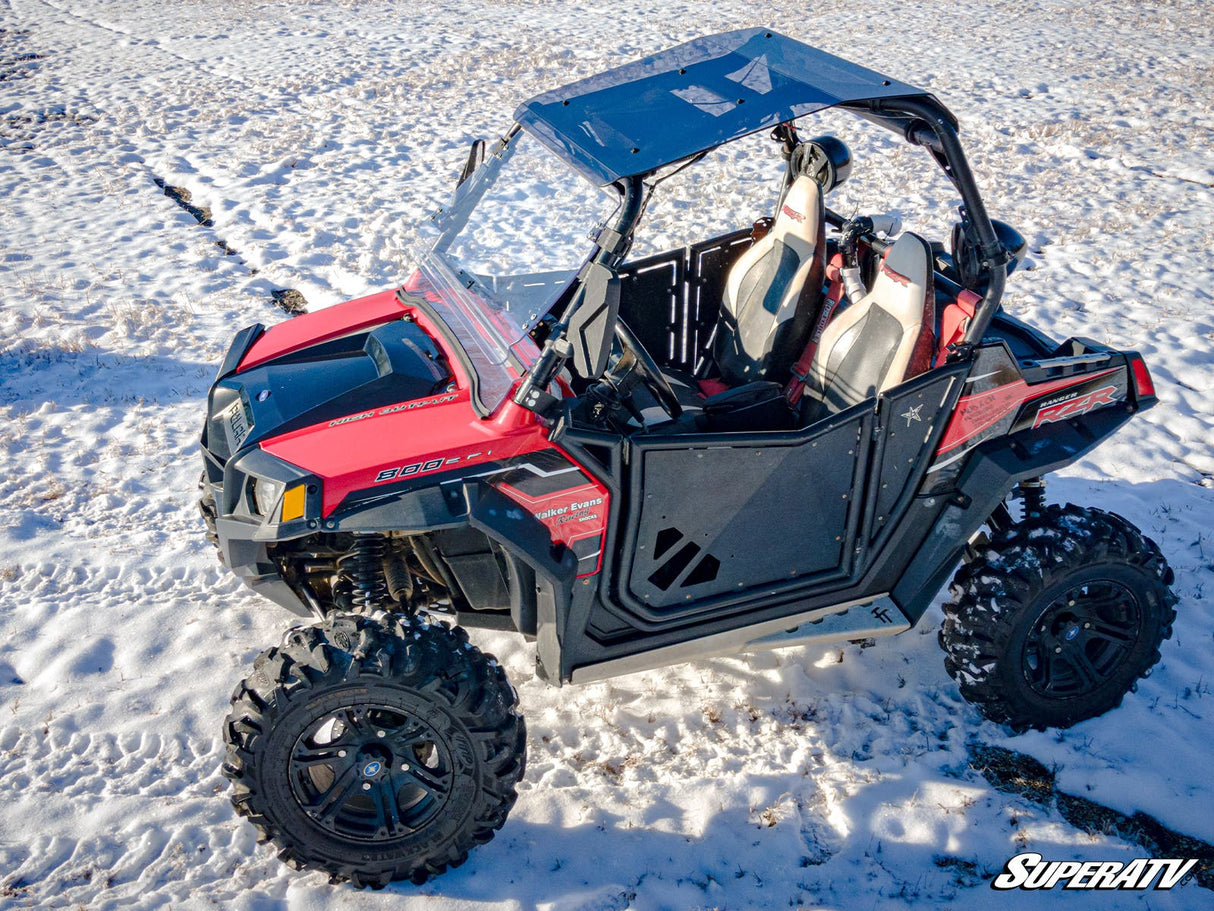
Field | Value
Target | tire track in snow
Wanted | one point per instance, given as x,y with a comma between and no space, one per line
1023,776
110,774
131,55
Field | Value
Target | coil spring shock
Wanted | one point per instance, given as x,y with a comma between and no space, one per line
364,564
1032,493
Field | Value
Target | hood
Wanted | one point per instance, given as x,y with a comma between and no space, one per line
331,380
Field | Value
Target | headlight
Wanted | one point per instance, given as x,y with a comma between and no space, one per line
266,494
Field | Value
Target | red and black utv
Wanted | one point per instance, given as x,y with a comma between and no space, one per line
793,433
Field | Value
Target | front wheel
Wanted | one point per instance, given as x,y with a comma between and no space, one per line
1053,620
375,750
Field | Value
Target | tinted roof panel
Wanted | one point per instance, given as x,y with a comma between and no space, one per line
661,109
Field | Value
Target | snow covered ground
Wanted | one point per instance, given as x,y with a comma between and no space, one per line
314,133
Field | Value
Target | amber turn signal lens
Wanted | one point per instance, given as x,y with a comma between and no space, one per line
293,503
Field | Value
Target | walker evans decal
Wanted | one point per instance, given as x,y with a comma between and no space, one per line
1030,871
578,509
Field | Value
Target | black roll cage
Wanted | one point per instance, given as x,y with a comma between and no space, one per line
921,120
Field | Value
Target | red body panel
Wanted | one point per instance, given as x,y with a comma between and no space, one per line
975,413
322,326
1142,378
572,515
359,454
440,433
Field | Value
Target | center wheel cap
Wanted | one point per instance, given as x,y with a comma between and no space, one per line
372,768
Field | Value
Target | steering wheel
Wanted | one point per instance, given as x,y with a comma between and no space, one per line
644,369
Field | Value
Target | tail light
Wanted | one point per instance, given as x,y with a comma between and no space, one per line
1143,385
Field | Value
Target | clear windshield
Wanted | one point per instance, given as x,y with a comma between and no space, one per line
514,237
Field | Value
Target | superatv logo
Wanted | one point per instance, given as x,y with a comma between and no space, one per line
1075,406
1030,871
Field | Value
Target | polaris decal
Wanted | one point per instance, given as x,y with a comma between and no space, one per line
1030,871
1076,405
238,423
793,214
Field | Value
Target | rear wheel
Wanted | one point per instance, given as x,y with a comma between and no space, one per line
1054,619
375,750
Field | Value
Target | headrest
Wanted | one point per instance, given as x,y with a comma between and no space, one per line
904,281
908,261
801,212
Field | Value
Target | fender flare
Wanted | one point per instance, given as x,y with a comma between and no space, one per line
989,475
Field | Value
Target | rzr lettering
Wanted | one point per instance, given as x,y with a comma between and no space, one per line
895,276
1073,407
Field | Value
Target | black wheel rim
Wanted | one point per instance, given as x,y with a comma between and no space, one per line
371,772
1078,643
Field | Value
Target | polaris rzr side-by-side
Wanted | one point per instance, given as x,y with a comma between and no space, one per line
793,433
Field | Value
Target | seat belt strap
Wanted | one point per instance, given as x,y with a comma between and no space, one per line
800,370
954,321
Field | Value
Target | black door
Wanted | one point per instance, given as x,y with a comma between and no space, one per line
718,519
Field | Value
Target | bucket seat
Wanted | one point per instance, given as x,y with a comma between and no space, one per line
886,337
773,292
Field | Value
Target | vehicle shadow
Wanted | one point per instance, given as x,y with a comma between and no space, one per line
815,775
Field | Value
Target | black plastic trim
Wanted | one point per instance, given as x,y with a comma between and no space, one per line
240,346
451,346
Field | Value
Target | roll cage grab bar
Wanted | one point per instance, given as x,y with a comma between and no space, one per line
927,124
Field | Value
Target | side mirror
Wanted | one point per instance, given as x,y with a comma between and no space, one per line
592,324
476,157
965,257
1013,241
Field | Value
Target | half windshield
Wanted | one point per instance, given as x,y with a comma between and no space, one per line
514,237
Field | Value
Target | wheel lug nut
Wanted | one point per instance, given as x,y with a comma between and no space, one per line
341,754
1057,649
381,734
1087,626
405,766
366,786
